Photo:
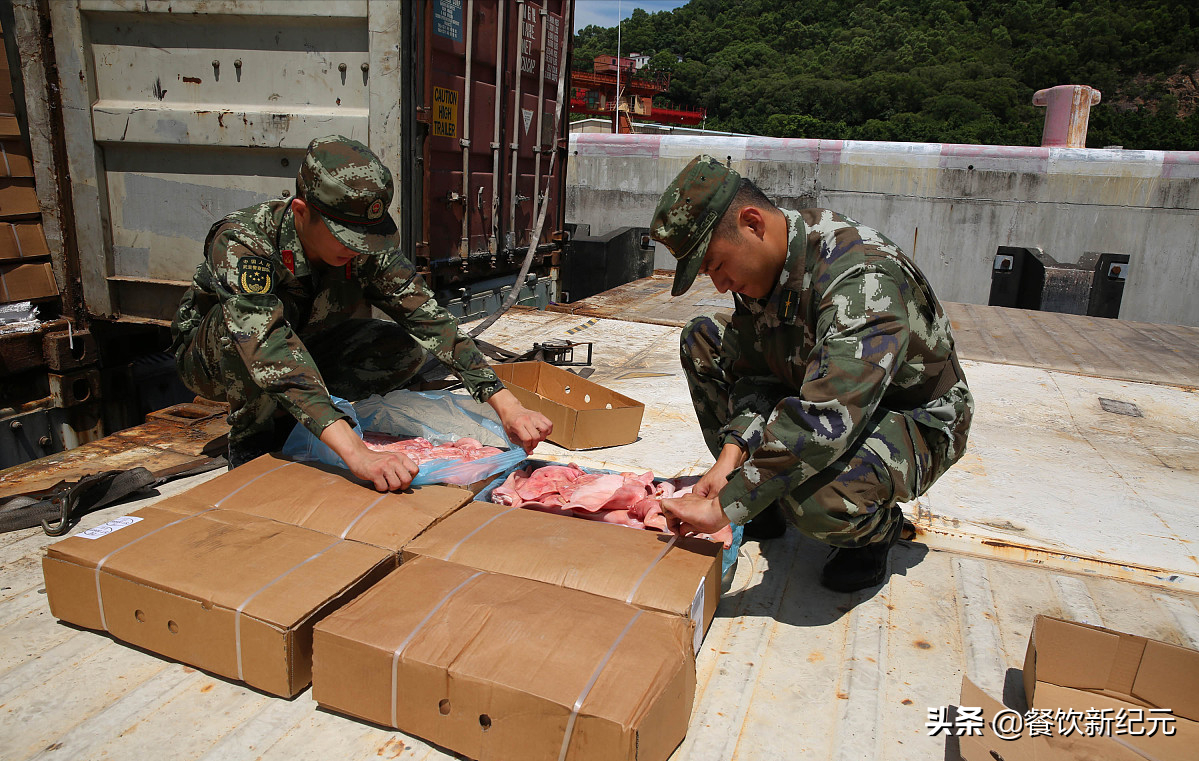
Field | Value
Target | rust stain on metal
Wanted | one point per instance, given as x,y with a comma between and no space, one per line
922,644
906,701
942,538
171,440
192,80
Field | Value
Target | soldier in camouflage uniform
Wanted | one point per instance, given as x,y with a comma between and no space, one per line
277,317
833,391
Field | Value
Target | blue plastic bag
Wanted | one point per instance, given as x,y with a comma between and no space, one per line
728,562
302,445
439,416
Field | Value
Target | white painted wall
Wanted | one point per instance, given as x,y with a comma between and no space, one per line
949,206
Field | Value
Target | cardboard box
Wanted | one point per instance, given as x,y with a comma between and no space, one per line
325,499
226,592
18,198
584,414
8,100
22,240
1075,666
14,159
23,282
675,575
497,667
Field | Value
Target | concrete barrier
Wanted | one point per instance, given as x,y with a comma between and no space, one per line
948,206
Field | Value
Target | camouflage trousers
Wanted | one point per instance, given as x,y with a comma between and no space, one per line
356,358
847,504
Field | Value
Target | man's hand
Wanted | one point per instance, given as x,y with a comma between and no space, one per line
731,457
388,471
692,514
522,425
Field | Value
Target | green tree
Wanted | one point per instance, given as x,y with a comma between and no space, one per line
930,70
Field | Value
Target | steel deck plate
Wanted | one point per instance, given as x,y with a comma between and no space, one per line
1120,349
1059,507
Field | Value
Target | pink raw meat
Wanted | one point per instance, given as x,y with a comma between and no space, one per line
626,499
550,482
594,491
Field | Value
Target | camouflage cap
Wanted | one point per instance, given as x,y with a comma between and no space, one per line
352,189
688,212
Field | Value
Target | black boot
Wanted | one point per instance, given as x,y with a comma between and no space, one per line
246,448
853,568
768,524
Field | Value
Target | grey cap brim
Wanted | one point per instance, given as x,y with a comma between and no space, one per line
383,237
688,267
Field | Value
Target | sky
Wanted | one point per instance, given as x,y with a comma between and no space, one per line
603,12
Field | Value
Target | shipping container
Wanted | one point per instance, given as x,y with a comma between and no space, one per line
176,113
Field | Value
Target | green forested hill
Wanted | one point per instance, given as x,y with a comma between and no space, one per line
960,71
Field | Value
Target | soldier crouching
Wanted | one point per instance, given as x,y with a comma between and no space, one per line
831,394
273,322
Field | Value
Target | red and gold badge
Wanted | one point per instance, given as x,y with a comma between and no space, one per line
376,210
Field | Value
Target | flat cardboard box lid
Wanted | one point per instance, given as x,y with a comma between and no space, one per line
18,197
325,499
517,651
644,568
22,240
23,282
584,413
14,158
275,573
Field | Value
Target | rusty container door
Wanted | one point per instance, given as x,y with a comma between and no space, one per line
178,113
486,130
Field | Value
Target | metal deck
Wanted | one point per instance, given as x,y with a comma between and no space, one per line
1138,351
1059,507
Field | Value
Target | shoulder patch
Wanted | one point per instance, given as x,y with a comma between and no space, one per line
788,304
254,275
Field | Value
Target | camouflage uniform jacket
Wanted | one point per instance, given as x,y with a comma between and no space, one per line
851,327
267,304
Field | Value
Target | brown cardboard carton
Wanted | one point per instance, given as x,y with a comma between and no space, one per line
22,240
14,159
229,593
22,282
325,499
1054,747
668,574
18,198
1079,667
497,667
8,103
584,414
